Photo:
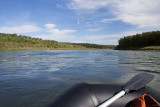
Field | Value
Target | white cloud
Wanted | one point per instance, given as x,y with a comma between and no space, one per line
141,13
141,20
50,26
51,29
106,42
106,20
20,29
54,33
60,32
101,37
87,4
88,24
94,30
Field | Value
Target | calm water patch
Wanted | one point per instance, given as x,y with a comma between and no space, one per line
33,78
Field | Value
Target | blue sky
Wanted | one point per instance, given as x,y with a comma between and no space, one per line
80,21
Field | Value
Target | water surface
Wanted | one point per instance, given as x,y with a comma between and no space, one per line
33,78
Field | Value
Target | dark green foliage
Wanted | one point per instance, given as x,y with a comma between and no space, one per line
87,45
140,40
13,41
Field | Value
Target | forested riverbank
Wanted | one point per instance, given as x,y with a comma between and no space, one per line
144,41
14,41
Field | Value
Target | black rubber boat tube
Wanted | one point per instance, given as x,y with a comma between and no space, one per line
135,83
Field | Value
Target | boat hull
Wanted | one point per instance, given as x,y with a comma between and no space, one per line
91,95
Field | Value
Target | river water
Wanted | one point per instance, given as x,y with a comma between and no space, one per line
33,78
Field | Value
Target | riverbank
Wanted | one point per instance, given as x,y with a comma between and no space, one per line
14,41
13,45
16,45
140,48
143,41
151,48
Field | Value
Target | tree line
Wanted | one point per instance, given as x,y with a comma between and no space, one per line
87,45
140,40
14,41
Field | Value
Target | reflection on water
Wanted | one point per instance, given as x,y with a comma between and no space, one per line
32,78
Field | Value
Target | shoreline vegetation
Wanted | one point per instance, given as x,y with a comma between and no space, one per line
144,41
14,41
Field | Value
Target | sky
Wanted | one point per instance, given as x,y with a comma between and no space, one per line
79,21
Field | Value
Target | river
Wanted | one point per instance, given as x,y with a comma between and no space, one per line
33,78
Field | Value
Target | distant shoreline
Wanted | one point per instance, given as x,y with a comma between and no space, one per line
131,48
53,49
143,41
141,48
41,48
14,41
